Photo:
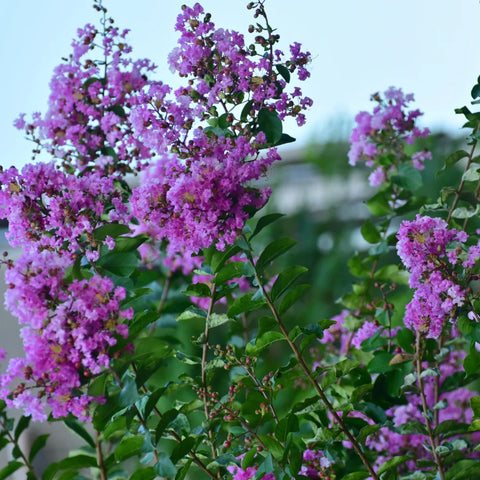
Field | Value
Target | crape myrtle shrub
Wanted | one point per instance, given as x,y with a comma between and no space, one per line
113,279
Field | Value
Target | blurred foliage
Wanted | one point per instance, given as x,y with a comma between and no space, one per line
329,235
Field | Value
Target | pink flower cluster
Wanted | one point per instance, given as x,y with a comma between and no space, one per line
49,209
389,442
198,192
378,138
430,251
67,333
200,204
315,465
87,123
106,119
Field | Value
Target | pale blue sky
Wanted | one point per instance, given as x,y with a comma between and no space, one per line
428,47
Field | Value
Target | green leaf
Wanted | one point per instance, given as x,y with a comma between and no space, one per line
182,473
164,467
37,445
182,449
199,290
464,212
272,251
192,313
409,177
218,259
4,441
393,463
373,342
248,458
270,124
217,319
366,431
286,425
391,273
128,447
112,229
21,426
70,463
109,152
378,204
264,221
146,473
264,341
128,394
405,339
370,233
285,279
380,363
475,404
122,264
448,428
168,417
472,174
291,297
129,244
471,363
285,139
244,304
246,111
78,428
453,159
356,476
118,110
464,470
12,466
285,72
228,272
273,446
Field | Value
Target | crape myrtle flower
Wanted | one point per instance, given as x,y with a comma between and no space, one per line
67,332
430,251
379,138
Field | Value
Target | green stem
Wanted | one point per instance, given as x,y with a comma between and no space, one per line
17,446
204,367
421,386
462,183
100,461
309,375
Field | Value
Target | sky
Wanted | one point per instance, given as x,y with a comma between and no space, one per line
427,47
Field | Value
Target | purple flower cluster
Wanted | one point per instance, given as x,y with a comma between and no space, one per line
87,123
389,442
378,138
197,192
315,465
106,119
49,209
68,329
424,246
197,205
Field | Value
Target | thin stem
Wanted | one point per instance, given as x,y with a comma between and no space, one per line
259,385
176,436
436,387
17,446
137,411
462,183
163,298
309,375
204,367
421,386
100,461
254,433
